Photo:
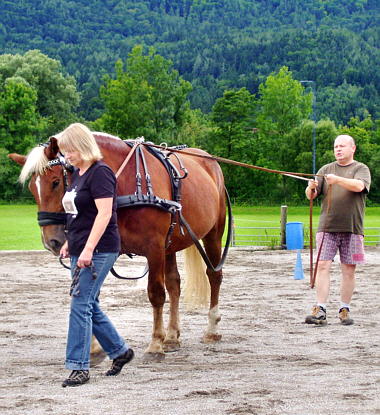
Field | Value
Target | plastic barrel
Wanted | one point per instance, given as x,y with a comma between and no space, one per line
294,235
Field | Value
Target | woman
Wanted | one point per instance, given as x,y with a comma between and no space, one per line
93,244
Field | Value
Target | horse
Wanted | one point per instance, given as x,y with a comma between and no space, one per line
147,230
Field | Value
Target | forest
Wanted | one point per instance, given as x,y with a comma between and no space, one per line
249,80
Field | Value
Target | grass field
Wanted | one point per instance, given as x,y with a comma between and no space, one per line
20,231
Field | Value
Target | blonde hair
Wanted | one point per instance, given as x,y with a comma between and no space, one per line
77,137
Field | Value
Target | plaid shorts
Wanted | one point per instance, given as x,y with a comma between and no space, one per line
351,247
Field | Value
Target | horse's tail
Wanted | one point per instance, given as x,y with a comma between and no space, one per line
196,291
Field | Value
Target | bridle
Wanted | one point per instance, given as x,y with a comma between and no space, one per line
56,218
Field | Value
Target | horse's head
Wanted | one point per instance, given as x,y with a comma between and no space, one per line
49,175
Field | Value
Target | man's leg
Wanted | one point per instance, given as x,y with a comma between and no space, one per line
347,284
322,284
322,281
327,248
351,253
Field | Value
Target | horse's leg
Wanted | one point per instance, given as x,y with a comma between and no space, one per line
172,283
212,245
97,354
156,294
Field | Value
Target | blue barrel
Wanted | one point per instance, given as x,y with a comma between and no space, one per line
294,235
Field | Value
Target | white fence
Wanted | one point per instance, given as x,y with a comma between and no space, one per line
269,233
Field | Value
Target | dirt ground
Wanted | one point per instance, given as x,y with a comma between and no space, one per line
268,361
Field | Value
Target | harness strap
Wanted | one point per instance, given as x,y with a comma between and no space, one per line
200,247
148,200
121,168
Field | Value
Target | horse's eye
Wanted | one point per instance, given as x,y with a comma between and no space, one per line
55,184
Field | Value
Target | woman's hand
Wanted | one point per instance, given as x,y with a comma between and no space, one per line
85,258
101,221
64,251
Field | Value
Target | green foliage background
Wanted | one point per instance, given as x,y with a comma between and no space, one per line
221,75
215,45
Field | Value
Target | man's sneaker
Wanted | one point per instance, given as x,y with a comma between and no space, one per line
344,316
317,316
119,362
76,378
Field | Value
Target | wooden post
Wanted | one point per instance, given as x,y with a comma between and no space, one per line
284,218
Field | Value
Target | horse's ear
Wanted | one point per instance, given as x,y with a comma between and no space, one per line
18,158
52,149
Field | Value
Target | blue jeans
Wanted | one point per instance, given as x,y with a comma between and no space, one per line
87,319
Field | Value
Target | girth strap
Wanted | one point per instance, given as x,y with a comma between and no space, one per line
148,200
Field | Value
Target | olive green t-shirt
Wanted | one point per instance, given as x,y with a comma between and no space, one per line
343,210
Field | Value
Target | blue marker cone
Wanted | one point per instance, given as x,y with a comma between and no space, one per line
298,270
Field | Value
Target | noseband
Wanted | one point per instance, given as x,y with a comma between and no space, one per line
56,218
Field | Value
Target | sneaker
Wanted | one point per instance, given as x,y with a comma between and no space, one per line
344,316
317,316
76,378
119,362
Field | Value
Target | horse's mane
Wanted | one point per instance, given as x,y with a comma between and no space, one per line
36,162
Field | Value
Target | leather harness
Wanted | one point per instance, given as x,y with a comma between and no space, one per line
138,199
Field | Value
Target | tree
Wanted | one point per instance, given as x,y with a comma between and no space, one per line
148,98
343,102
366,135
232,138
282,104
36,100
195,129
57,97
19,124
282,107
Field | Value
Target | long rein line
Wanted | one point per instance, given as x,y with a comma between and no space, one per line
234,162
295,175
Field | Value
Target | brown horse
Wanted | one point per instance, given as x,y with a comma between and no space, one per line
144,229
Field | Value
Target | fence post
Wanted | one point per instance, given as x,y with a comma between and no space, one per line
284,218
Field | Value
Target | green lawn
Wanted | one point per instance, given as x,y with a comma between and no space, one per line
19,228
261,225
20,231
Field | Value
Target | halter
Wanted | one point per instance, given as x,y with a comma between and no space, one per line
56,218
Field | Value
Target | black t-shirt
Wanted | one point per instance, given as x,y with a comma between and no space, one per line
97,182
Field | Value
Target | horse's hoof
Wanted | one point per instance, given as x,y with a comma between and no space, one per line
153,357
211,338
171,346
97,358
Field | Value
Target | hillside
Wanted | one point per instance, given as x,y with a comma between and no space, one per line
213,44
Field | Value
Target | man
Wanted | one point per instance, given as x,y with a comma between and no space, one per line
344,185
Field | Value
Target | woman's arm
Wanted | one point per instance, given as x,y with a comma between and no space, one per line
101,221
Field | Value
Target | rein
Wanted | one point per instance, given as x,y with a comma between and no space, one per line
300,176
58,218
236,163
130,154
313,275
312,278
